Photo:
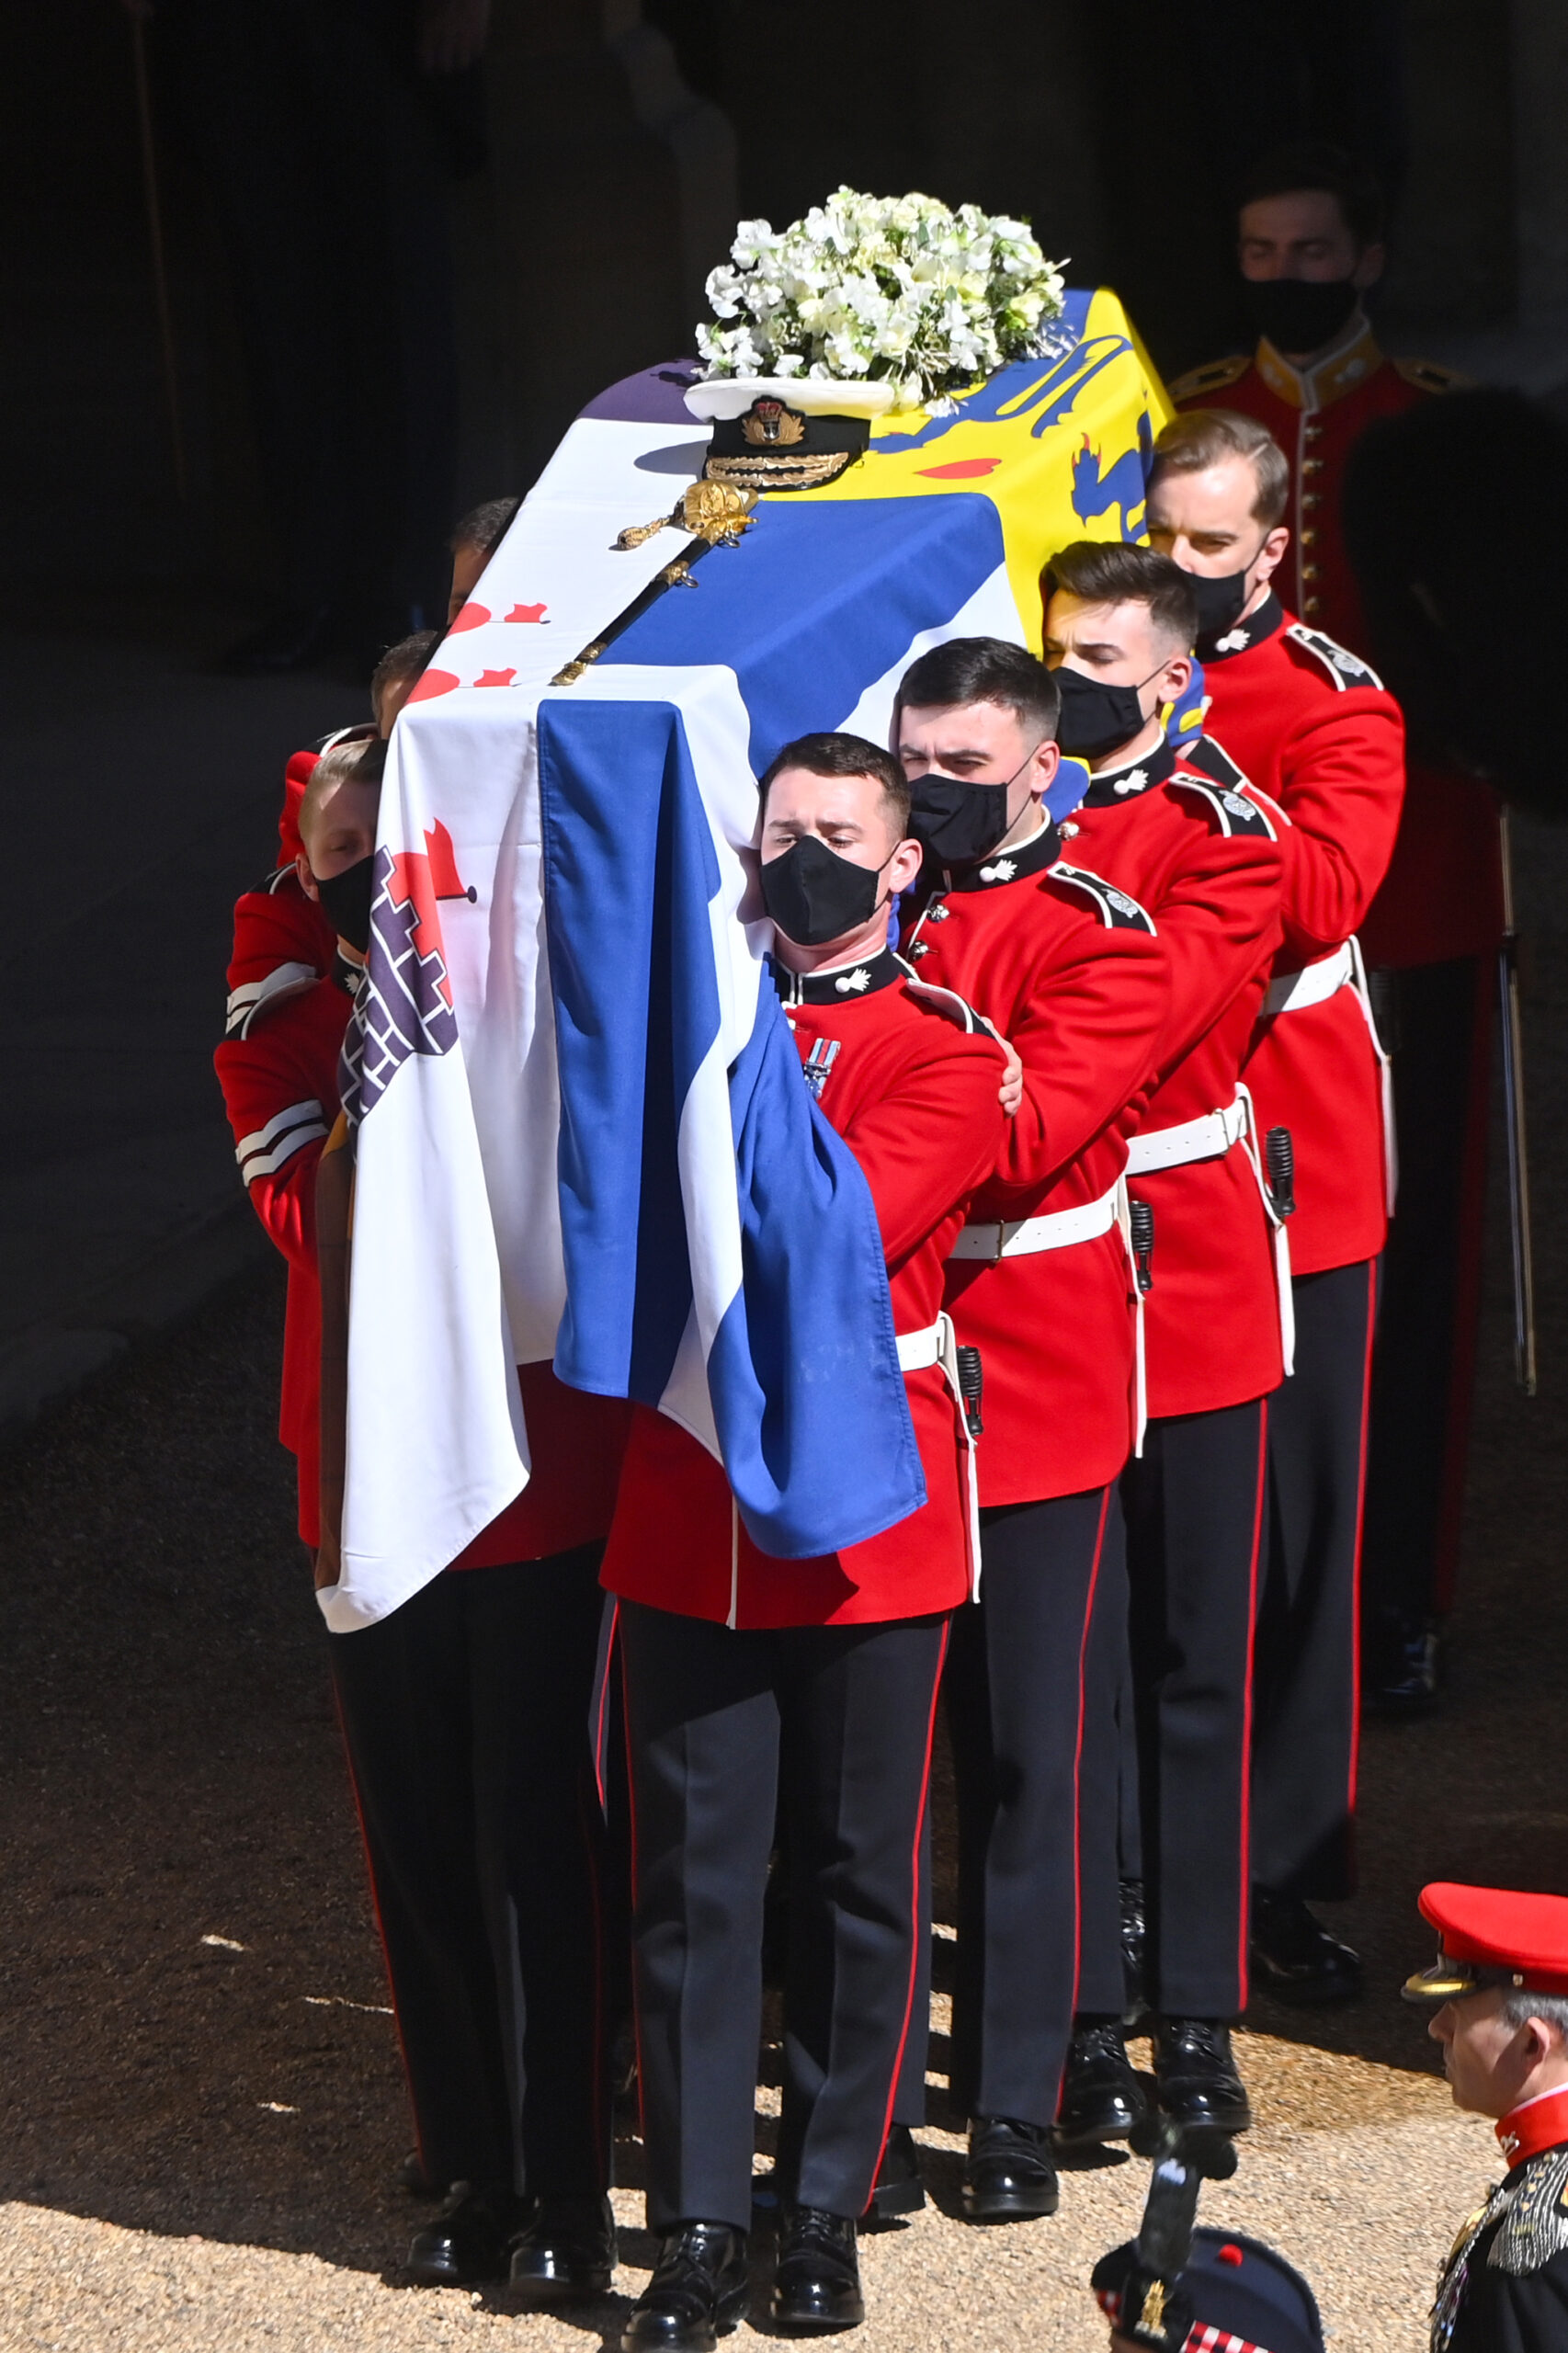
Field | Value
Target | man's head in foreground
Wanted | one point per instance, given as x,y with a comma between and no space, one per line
337,826
1216,503
836,848
1310,242
1120,626
1498,1994
473,543
974,730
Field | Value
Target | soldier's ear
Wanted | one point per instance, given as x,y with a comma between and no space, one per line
1370,267
307,879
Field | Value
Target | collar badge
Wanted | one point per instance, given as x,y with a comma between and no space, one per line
1133,783
1003,871
1233,640
855,982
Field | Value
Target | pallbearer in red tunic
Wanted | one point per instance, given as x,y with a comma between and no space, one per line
465,1714
1068,968
1310,242
754,1683
1311,727
1205,859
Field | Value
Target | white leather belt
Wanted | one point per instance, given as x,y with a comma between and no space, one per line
917,1349
1314,985
938,1345
1201,1138
1059,1228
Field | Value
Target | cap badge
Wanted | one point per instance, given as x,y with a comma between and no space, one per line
767,424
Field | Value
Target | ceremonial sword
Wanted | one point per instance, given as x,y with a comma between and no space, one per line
1514,1114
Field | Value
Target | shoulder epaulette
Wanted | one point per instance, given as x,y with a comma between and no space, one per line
1431,376
1236,812
947,1002
1212,377
1214,760
1535,2227
1117,911
1346,669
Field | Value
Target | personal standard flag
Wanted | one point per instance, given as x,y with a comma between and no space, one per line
582,1131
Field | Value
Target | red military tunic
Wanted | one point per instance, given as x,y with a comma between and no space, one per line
914,1092
1207,866
1442,897
279,1079
279,1082
1313,727
1070,971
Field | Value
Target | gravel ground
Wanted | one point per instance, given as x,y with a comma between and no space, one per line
199,2081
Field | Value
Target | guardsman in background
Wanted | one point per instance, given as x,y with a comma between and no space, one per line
1309,725
1068,969
473,543
1499,1989
804,1690
1206,862
1310,243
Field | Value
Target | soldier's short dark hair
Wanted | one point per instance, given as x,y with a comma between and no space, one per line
1106,571
982,669
1205,436
1317,163
484,526
406,659
841,754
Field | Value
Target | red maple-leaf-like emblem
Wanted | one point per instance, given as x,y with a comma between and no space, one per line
528,612
494,677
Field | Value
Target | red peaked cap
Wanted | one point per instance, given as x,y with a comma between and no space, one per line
1521,1936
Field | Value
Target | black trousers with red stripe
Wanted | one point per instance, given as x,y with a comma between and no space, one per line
1015,1696
466,1717
828,1727
1193,1509
1305,1700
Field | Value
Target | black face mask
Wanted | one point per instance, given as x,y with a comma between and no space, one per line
814,895
346,898
958,823
1096,717
1299,313
1220,602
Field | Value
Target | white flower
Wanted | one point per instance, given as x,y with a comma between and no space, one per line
898,288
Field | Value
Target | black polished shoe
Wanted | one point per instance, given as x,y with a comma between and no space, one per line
469,2239
899,2188
697,2294
1134,1952
564,2251
1102,2099
1294,1956
1401,1665
817,2284
1008,2174
1196,2075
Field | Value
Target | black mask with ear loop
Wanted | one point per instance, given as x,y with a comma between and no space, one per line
956,822
346,898
1097,716
1219,603
1299,313
814,895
